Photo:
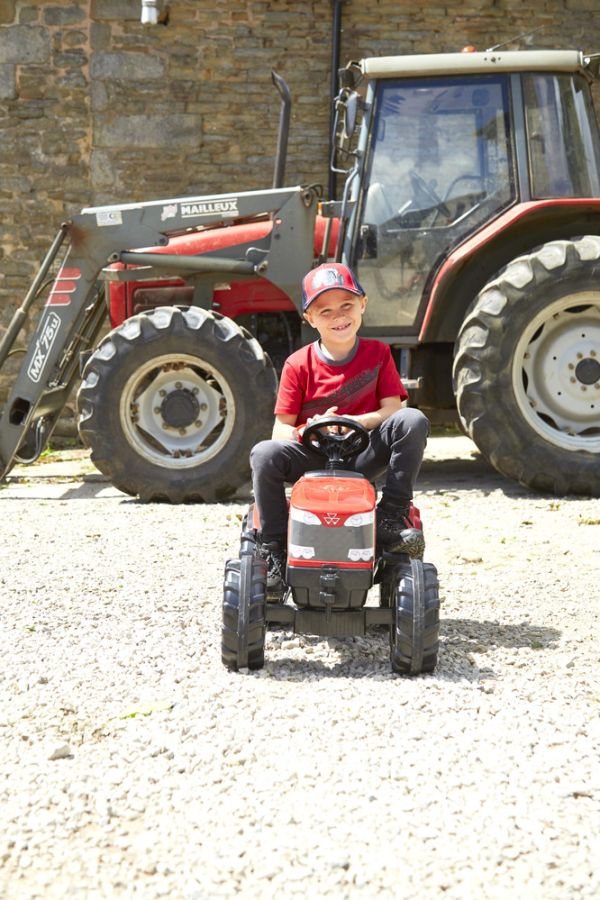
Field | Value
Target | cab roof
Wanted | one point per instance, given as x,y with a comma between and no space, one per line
487,62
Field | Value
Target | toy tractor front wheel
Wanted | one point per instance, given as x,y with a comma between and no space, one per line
244,598
412,591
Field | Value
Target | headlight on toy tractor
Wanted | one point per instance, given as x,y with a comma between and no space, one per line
303,515
363,518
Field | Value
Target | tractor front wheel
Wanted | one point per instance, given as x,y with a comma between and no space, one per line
414,633
527,369
171,403
243,630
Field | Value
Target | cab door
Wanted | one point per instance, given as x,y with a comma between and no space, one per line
438,165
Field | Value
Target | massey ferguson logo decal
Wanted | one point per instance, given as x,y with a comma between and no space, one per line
43,346
226,208
331,519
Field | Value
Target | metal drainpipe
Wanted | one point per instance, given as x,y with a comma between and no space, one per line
335,64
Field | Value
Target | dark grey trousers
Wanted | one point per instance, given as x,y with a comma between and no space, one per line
395,449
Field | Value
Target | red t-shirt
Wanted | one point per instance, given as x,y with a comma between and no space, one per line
310,383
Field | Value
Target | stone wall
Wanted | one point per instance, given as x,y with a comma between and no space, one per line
96,108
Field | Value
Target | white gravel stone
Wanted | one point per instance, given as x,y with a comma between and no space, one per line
62,751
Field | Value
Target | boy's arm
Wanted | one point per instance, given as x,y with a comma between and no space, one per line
371,420
283,429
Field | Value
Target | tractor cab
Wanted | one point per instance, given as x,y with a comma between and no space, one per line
448,144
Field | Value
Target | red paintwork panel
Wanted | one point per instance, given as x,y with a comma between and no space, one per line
502,223
317,563
415,517
341,496
255,517
251,296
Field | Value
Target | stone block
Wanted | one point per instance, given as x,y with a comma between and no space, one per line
24,44
99,96
8,87
100,36
125,65
70,59
63,15
102,170
29,14
116,9
33,85
147,131
73,38
7,11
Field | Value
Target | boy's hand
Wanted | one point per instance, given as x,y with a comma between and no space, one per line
332,429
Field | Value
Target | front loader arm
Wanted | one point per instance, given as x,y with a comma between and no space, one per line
75,310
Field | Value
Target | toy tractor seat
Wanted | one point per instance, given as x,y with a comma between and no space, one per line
332,564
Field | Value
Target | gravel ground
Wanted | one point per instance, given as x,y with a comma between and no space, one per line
134,764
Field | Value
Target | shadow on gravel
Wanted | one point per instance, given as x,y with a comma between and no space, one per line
480,636
460,474
453,475
459,640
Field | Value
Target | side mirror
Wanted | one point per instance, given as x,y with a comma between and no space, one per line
348,102
344,126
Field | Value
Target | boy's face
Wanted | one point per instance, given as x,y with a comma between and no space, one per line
337,315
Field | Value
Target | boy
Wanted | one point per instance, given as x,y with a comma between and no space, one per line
339,374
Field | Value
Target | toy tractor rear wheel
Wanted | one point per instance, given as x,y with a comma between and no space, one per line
243,630
527,369
414,633
171,403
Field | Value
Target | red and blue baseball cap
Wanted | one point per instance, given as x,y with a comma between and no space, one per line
329,277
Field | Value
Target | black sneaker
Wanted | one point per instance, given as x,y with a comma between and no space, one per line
396,533
276,558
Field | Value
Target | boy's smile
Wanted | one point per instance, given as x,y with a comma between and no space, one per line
337,316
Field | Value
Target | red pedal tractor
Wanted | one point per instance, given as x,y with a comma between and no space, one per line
333,561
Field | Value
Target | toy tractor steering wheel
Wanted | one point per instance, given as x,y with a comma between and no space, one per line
336,447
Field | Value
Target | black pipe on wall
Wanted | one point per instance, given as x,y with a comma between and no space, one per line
336,29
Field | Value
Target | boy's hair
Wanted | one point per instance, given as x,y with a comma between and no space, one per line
329,277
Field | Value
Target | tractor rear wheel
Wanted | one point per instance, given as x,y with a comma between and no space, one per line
414,633
243,630
171,403
527,368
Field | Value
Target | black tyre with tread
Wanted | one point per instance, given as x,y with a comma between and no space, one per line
243,629
171,403
527,368
414,634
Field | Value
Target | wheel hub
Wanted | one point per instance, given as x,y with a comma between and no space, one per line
180,408
177,410
556,372
588,371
